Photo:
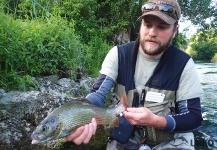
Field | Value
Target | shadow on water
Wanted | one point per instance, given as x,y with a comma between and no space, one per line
206,137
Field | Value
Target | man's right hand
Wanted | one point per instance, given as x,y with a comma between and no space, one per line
83,134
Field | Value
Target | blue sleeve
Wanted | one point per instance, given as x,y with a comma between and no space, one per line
188,116
100,90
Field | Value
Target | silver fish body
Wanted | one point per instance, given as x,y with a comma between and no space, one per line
68,117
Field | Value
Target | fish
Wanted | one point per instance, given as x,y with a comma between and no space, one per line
65,119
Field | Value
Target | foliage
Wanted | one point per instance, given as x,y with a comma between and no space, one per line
214,59
91,18
95,53
180,41
41,37
213,13
37,47
203,44
196,11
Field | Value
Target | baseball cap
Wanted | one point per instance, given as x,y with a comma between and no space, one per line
167,10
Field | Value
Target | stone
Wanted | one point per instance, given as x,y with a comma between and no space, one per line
21,112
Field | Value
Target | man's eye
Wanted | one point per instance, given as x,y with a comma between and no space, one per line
162,27
148,25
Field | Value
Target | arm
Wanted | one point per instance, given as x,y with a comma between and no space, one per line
100,90
144,117
188,108
97,97
188,117
188,112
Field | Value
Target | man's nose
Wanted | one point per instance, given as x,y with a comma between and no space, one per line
153,32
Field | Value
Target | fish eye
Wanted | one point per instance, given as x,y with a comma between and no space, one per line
44,128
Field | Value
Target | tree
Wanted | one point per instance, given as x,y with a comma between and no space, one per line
204,44
197,11
103,17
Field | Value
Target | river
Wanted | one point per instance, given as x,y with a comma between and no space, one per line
206,137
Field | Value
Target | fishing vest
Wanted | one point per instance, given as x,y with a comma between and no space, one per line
165,80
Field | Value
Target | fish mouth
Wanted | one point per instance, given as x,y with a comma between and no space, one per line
39,140
35,141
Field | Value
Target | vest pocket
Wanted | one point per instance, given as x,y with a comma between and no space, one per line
155,136
161,109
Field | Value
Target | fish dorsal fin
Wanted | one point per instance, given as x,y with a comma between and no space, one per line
116,122
82,99
124,100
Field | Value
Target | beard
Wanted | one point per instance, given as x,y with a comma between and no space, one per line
153,51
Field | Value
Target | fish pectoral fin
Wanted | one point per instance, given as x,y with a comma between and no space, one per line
116,122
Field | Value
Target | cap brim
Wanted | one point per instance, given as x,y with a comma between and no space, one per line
166,18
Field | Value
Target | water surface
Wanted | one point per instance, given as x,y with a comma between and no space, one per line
208,132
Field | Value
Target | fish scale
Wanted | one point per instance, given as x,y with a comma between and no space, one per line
68,117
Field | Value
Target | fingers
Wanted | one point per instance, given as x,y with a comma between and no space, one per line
137,116
135,110
89,134
75,134
91,130
133,113
83,134
93,121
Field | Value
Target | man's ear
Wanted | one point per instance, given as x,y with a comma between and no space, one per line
175,30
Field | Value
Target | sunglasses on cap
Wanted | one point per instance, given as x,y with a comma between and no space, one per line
165,8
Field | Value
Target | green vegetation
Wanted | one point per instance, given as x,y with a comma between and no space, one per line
65,37
203,45
214,59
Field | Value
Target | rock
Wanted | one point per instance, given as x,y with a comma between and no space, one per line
2,93
87,84
21,112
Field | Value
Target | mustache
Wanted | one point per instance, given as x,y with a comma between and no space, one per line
152,40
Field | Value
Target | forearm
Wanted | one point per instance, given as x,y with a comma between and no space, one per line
100,90
187,119
159,122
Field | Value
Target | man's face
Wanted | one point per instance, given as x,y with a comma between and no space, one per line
155,36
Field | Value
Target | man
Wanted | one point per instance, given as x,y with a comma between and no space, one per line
160,81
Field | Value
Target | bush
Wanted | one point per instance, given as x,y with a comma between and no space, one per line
36,48
214,59
204,50
204,45
95,53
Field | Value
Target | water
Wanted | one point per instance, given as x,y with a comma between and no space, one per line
206,138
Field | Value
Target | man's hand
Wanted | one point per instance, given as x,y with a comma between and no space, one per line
144,117
83,134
